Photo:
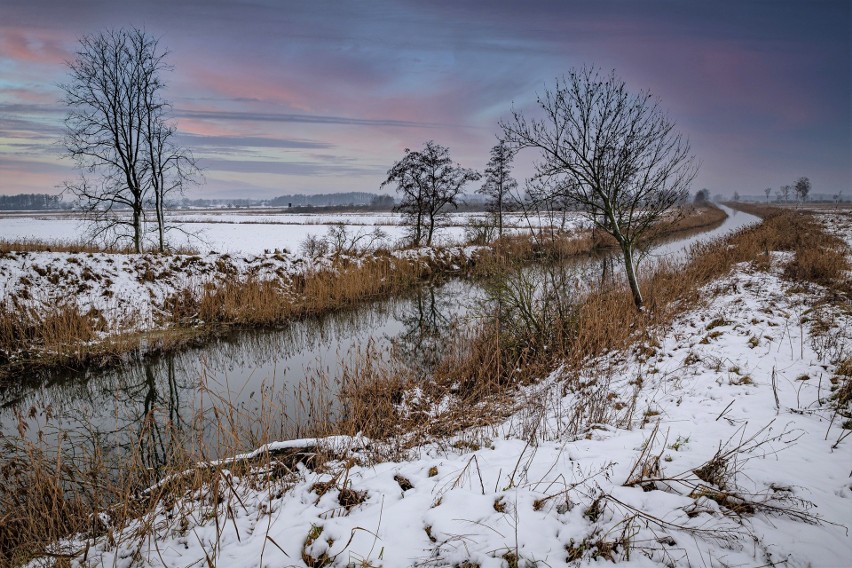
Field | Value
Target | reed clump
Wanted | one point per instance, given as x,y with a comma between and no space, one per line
554,245
52,488
55,331
49,327
255,302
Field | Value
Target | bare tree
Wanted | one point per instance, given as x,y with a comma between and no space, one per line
171,169
802,188
499,182
428,182
613,154
785,191
117,133
768,192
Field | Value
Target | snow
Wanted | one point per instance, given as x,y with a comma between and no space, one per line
255,232
130,291
745,374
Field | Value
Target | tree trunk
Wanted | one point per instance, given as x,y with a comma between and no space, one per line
418,227
430,231
627,249
137,230
500,215
158,205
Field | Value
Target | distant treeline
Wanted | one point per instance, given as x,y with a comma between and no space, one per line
44,201
297,200
331,199
32,201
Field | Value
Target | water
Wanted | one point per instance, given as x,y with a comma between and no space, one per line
677,248
270,384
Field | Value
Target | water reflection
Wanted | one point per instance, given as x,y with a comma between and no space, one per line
429,321
263,384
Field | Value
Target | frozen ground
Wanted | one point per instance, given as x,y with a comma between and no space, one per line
256,232
129,291
714,444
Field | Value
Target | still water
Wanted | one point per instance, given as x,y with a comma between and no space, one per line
269,384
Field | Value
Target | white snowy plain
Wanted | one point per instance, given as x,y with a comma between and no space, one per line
745,373
255,233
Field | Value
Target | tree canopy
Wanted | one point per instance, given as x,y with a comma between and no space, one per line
613,154
428,183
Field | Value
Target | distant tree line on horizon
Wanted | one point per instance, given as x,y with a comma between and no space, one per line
33,202
330,199
361,199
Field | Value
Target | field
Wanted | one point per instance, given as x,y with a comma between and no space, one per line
253,232
711,428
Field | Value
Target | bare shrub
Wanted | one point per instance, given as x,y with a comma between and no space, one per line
480,231
313,246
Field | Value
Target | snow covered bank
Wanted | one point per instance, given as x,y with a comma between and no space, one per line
716,443
127,293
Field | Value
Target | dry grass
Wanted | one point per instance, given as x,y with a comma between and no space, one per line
53,489
81,246
253,302
533,338
553,245
49,327
55,333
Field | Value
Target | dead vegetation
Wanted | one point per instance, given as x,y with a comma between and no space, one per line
538,326
52,331
77,247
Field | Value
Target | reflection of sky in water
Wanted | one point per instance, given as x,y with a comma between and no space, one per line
276,373
677,249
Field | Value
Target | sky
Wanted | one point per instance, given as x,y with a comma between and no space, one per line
281,97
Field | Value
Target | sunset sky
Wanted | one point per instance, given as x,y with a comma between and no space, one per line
279,97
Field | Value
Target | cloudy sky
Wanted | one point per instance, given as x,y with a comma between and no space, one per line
285,97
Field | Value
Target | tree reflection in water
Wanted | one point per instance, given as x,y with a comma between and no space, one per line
430,322
238,391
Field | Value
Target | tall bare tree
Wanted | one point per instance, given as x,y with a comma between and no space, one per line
785,191
428,182
117,133
499,182
614,154
768,192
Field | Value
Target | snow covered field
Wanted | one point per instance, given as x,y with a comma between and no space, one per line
256,232
718,446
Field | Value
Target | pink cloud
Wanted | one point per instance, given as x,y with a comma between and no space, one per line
33,46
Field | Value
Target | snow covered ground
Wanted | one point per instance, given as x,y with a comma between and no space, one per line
129,291
256,232
713,445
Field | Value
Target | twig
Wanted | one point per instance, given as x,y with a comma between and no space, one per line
721,414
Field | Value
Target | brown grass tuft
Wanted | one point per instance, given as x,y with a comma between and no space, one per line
81,246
